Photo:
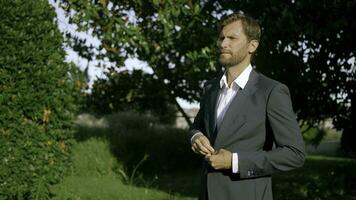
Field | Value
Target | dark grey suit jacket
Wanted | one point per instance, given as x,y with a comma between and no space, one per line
261,127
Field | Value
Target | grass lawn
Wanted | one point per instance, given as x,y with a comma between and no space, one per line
97,175
128,158
321,178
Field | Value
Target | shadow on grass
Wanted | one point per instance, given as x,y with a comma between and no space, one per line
170,165
320,178
173,168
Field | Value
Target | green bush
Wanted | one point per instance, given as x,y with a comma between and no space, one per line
39,95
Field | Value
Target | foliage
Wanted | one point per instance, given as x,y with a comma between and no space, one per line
39,95
160,35
127,91
306,45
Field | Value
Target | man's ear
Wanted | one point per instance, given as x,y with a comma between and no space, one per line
252,46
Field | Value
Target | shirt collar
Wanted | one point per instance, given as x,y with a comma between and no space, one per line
240,81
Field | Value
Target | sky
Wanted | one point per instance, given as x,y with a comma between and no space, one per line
95,72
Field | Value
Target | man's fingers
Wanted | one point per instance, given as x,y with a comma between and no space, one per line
212,161
217,152
211,149
195,148
202,152
204,141
207,145
207,158
202,147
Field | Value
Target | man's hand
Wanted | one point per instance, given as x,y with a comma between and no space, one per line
220,160
201,145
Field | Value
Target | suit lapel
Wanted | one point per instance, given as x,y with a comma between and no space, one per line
213,98
237,107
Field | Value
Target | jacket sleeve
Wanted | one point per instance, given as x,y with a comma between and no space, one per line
198,123
289,151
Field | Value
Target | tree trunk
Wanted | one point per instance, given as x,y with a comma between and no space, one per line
186,117
348,139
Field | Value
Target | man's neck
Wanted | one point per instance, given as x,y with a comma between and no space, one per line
235,71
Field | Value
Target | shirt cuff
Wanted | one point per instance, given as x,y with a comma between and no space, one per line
235,163
191,139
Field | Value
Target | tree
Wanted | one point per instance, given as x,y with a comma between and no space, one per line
307,45
39,96
127,91
172,37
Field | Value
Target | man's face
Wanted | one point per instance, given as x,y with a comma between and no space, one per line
233,44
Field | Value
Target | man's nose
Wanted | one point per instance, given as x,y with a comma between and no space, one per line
223,44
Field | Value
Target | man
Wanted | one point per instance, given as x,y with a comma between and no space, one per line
245,128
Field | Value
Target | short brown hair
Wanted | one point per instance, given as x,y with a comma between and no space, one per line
250,26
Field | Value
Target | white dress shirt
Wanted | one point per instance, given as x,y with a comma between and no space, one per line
227,93
226,96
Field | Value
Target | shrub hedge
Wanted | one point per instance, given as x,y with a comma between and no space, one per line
39,96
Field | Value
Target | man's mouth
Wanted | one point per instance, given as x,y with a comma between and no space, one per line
224,52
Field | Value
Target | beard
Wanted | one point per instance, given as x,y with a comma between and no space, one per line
229,60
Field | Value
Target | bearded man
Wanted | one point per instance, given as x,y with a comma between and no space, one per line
245,129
